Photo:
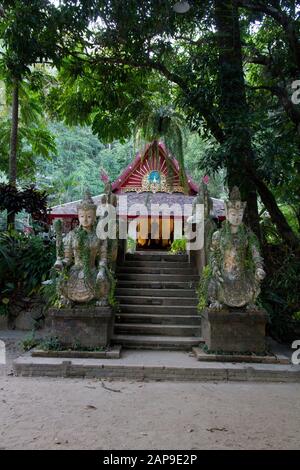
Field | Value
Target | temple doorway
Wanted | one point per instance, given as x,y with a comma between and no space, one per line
155,233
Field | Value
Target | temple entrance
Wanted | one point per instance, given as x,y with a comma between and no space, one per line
155,233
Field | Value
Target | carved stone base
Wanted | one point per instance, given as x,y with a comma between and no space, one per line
89,327
234,330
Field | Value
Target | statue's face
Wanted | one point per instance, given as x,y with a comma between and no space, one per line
86,218
235,216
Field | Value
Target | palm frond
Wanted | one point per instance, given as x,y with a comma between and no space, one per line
167,125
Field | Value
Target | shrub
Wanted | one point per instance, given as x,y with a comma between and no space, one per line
29,342
31,200
25,262
178,246
50,343
281,291
202,290
131,245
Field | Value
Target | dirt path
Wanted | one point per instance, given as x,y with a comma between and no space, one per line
44,413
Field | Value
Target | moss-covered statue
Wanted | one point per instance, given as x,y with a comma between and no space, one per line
235,261
82,260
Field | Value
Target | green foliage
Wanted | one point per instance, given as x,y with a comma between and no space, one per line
112,301
281,291
82,237
202,290
163,123
79,158
37,31
50,343
25,262
29,199
234,353
29,342
34,138
178,246
50,288
197,164
141,57
131,245
296,316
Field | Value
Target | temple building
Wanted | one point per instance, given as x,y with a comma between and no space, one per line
152,179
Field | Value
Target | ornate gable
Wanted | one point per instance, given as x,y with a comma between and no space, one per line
154,172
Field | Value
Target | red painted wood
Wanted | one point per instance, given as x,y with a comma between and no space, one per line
132,176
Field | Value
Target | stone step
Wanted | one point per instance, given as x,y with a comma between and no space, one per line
157,284
125,291
157,330
154,264
138,270
170,343
159,309
155,365
158,319
151,300
144,256
158,277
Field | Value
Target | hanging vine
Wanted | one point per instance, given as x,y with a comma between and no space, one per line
83,239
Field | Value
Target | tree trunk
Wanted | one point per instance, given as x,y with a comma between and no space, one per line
235,113
276,215
234,107
13,145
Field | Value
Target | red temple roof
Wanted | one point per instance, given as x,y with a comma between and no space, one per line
152,178
134,177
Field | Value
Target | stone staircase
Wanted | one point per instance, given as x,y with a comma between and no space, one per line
158,303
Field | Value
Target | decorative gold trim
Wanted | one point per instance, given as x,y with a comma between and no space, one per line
164,186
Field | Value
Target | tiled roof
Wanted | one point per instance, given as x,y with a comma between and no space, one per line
70,208
146,198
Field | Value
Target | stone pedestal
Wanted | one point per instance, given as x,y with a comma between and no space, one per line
89,327
234,330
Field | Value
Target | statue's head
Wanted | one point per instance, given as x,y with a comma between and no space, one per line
235,208
87,212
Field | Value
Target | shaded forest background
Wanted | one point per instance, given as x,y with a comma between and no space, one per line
80,157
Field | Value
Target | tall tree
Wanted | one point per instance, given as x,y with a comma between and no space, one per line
34,32
149,38
234,107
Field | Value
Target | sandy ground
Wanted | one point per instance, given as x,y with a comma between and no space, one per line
44,413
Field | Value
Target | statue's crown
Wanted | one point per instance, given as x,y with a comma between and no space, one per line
235,201
87,202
